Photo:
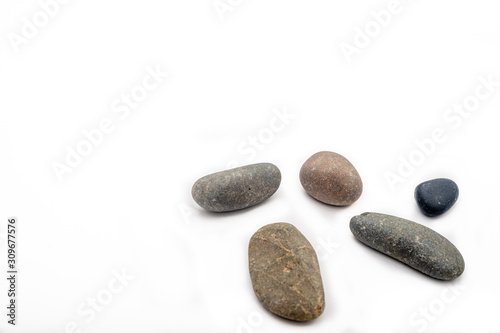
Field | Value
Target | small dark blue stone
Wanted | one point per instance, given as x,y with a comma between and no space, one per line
436,196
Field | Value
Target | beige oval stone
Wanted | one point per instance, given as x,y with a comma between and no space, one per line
330,178
285,272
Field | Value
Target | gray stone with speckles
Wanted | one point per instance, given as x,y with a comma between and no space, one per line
237,188
285,272
411,243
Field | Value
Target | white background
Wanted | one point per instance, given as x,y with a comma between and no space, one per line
127,206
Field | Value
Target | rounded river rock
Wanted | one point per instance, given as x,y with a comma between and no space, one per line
285,272
435,197
330,178
237,188
411,243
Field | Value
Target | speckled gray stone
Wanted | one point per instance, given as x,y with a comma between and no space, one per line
237,188
330,178
411,243
285,272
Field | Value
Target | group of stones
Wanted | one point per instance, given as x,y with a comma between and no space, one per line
283,265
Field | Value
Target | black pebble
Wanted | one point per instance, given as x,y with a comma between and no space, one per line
436,196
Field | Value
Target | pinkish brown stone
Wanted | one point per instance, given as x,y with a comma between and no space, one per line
330,178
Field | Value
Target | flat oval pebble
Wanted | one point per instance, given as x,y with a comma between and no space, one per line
285,272
330,178
237,188
411,243
436,196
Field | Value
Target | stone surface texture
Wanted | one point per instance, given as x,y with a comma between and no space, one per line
285,272
435,197
330,178
237,188
409,242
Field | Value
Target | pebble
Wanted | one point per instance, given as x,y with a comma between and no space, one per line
285,272
435,197
330,178
237,188
411,243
